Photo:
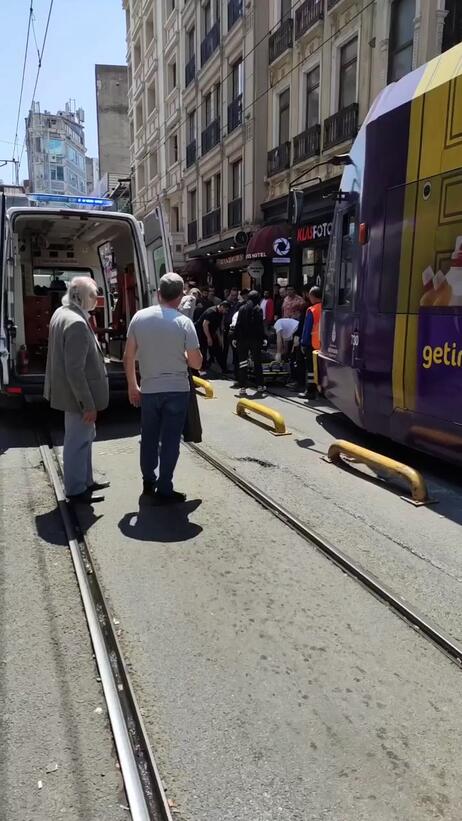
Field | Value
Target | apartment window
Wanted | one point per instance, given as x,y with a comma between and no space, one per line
191,126
401,39
191,43
217,95
38,145
141,176
136,55
192,205
172,76
175,219
207,17
171,4
208,201
208,108
237,79
139,115
452,33
151,98
57,173
217,190
236,180
132,133
149,29
284,117
312,98
348,65
173,149
286,9
153,169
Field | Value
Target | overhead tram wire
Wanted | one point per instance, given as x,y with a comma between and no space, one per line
40,61
31,13
331,37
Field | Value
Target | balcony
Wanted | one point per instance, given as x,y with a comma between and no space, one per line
211,136
210,43
341,127
235,213
235,114
190,71
192,232
234,12
309,13
331,4
281,40
211,223
279,159
307,144
191,153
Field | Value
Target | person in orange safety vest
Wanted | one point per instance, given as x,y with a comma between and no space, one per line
311,339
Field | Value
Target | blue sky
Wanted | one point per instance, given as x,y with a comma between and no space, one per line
81,33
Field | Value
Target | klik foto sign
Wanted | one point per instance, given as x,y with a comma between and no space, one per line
318,230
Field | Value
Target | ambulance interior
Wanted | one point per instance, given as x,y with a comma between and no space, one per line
49,250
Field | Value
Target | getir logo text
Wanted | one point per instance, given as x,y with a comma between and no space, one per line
449,355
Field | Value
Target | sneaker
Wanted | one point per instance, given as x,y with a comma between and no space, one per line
173,498
261,391
242,394
303,395
95,486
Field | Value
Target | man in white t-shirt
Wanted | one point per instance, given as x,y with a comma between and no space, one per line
164,342
285,330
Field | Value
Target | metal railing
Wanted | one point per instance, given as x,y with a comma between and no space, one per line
341,127
191,153
234,12
309,13
210,43
210,136
279,159
235,114
211,223
307,144
190,71
235,213
192,232
281,40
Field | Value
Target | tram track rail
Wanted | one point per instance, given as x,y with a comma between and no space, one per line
143,785
402,608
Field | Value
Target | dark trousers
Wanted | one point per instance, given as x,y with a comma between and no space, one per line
310,386
163,416
215,353
298,366
244,348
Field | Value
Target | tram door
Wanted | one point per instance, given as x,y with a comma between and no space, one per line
341,335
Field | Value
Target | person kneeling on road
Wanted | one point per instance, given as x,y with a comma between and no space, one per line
164,342
76,382
249,335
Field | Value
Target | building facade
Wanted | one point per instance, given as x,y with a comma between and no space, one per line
56,151
197,99
328,60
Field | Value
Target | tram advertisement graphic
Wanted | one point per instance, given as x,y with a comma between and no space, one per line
440,362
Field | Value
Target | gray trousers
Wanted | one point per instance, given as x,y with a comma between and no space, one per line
78,439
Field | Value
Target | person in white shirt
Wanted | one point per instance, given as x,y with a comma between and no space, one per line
285,330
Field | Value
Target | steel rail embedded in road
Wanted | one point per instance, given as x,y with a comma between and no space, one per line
406,611
143,785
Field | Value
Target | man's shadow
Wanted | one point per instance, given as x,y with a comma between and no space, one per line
153,523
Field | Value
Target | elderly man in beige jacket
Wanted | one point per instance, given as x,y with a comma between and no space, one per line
76,383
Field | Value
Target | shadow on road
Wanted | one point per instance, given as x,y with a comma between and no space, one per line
161,524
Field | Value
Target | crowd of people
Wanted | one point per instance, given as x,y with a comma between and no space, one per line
247,323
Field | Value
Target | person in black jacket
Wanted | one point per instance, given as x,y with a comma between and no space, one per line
250,335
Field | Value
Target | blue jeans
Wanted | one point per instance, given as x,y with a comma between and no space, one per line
78,439
163,417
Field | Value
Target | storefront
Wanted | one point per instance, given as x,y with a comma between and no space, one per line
269,255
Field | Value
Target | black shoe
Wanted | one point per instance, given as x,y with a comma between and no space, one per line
173,498
85,498
98,486
149,488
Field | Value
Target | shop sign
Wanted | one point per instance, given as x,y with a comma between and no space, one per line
319,230
281,250
236,261
255,269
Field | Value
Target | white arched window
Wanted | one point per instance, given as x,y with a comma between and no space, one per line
401,39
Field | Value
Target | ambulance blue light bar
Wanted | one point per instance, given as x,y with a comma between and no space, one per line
94,202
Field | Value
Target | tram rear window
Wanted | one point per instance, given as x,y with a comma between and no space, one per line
345,287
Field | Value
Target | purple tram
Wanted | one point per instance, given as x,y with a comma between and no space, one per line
391,334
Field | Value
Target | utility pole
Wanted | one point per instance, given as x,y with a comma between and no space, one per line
16,168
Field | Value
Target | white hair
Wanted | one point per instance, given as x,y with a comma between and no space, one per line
81,292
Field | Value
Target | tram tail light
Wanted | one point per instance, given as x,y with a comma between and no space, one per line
363,233
13,390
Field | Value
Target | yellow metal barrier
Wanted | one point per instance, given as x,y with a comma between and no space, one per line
208,388
376,460
274,416
315,368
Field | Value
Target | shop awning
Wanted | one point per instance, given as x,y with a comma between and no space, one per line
269,242
196,267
